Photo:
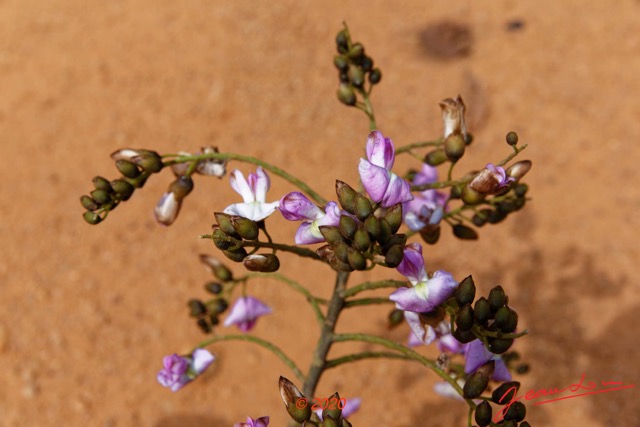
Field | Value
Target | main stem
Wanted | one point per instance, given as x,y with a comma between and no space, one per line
319,361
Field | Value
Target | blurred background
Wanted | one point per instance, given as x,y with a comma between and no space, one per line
87,313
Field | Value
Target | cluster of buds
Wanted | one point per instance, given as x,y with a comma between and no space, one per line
354,67
135,166
207,312
299,408
361,235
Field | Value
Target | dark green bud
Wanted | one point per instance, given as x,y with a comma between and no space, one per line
246,228
361,240
456,191
394,256
496,216
348,226
181,187
482,311
470,196
217,268
496,298
356,75
509,423
375,76
127,168
335,412
196,308
213,287
521,189
499,345
263,263
91,218
465,233
463,336
342,41
213,319
525,424
357,261
466,291
346,196
225,223
506,319
505,392
344,78
218,306
363,208
468,139
346,94
454,147
346,423
328,422
483,414
393,215
221,239
523,368
338,265
430,235
516,412
341,62
512,138
236,255
356,51
435,157
101,196
88,203
476,385
101,184
385,232
372,225
149,161
331,234
465,319
122,188
506,206
480,218
396,317
367,64
342,251
298,407
204,325
396,239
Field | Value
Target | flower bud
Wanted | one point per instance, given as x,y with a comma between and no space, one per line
125,153
506,319
341,62
346,94
496,298
466,291
236,255
225,223
204,326
221,239
470,196
453,117
482,311
476,384
297,405
356,51
346,196
375,76
122,188
127,168
361,240
335,413
385,232
217,268
149,161
464,318
331,234
348,226
167,209
91,218
483,414
264,263
393,215
366,63
396,239
356,75
463,336
519,169
341,251
464,233
396,317
101,183
211,167
196,308
357,261
342,41
516,412
246,228
505,392
181,187
88,203
328,422
100,196
345,423
218,306
430,235
499,345
213,287
512,138
338,265
363,208
454,147
496,216
435,157
394,256
372,225
480,218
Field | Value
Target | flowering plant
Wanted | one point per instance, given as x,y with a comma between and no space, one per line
383,226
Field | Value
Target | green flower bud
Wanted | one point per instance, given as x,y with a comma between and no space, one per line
506,206
225,223
356,75
505,392
509,423
356,260
361,240
480,218
372,225
356,51
341,62
385,232
496,298
328,422
346,196
483,414
393,215
468,138
366,63
218,306
463,336
482,311
346,94
456,191
521,189
348,226
334,413
101,196
127,168
246,228
512,138
466,291
430,235
496,216
476,385
465,233
338,265
101,184
196,308
341,251
91,218
394,256
331,234
264,263
499,345
298,407
342,41
213,287
236,255
88,203
516,412
506,319
122,188
149,161
181,187
396,239
454,147
363,208
470,196
375,76
396,317
204,325
221,239
217,268
435,157
464,318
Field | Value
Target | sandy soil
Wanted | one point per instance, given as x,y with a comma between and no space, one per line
88,312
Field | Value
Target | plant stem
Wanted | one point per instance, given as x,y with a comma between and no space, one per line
266,344
319,361
408,148
367,301
365,286
361,356
303,252
516,151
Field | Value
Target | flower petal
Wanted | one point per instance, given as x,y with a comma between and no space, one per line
501,372
241,186
308,234
425,333
412,265
245,312
296,206
380,150
476,356
407,299
398,191
260,184
375,179
441,287
201,360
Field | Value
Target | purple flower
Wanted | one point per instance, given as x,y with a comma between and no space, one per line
260,422
382,185
491,180
253,192
425,334
350,406
245,312
477,355
296,206
178,370
445,389
427,207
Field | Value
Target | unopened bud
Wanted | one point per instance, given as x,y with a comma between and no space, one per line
342,41
127,168
346,94
478,382
348,226
218,306
464,233
216,267
356,51
264,263
341,251
499,345
516,412
454,147
505,392
341,62
496,298
221,239
101,196
393,216
430,235
91,218
453,117
361,240
298,407
366,63
464,336
506,319
196,308
167,209
88,203
356,75
464,318
236,255
375,76
211,167
204,325
346,196
335,412
519,169
512,138
372,225
213,287
385,232
125,153
482,311
150,161
394,256
331,234
122,188
246,228
225,223
181,187
396,317
470,196
357,261
435,157
483,414
328,422
101,184
466,291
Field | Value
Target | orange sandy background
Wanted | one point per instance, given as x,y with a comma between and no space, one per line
88,312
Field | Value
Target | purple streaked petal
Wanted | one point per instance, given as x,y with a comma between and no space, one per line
332,215
308,233
412,299
441,287
241,186
201,360
245,312
398,191
296,206
260,184
448,344
427,175
413,340
412,265
375,179
380,150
